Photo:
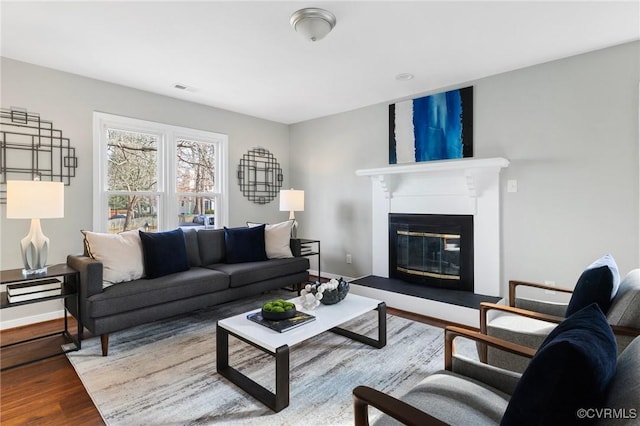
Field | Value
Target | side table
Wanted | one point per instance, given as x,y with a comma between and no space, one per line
306,247
70,289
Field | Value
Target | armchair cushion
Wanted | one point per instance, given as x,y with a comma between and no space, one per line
625,308
451,397
571,370
594,286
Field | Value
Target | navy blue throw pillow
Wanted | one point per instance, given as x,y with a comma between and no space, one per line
244,244
571,370
593,286
164,253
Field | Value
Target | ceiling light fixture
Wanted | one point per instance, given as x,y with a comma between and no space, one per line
313,23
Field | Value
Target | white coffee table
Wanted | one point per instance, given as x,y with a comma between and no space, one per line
328,318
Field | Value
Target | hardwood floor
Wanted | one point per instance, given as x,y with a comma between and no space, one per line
49,392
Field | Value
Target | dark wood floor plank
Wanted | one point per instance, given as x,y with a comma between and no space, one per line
47,392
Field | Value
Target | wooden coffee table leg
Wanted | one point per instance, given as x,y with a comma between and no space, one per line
381,342
276,401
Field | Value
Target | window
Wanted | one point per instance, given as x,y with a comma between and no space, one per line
155,176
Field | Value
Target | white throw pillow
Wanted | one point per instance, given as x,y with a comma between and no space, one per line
608,261
276,239
120,254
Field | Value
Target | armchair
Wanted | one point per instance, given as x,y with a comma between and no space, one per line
528,321
469,392
482,389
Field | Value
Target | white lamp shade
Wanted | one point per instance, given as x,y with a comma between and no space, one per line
291,200
31,199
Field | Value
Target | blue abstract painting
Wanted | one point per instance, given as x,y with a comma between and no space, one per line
434,127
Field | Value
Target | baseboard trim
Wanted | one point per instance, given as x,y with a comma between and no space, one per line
32,319
329,275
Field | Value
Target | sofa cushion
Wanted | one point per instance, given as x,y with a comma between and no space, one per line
164,253
191,243
241,274
455,400
571,370
120,255
593,286
211,246
150,292
277,239
244,244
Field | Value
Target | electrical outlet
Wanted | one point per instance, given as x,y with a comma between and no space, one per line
348,258
512,185
551,283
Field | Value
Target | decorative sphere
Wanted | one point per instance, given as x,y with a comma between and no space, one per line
331,297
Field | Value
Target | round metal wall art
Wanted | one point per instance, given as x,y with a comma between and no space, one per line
259,176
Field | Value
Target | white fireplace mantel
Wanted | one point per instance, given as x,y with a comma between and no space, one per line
472,169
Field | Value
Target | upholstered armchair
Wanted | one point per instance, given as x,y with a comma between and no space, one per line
575,368
436,400
527,322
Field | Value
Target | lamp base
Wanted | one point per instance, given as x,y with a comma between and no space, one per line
32,272
294,227
35,249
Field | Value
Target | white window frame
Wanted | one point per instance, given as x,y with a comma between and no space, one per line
168,136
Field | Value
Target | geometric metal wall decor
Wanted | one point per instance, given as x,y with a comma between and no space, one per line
31,146
259,176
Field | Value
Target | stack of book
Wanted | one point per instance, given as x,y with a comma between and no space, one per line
31,290
282,325
305,250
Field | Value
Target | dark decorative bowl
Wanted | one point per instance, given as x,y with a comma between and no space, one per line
277,316
331,297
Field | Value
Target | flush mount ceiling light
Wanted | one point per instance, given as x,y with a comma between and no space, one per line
313,23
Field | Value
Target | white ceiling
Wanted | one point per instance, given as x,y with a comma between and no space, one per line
244,57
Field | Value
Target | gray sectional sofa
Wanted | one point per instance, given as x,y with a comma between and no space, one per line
208,281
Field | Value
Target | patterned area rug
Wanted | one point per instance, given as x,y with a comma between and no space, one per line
164,373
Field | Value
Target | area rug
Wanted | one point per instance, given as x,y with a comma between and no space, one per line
164,373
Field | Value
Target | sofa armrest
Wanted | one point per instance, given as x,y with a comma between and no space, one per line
514,284
90,271
364,396
296,247
485,307
450,333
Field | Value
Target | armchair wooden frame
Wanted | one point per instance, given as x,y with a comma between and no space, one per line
485,307
364,396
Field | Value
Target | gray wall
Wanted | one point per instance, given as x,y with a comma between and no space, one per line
570,129
69,101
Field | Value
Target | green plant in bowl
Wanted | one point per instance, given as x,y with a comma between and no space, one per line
278,310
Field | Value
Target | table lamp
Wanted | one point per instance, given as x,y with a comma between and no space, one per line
34,200
292,200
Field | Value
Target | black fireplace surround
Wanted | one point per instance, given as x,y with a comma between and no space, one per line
432,250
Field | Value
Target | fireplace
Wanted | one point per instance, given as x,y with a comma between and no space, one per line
468,186
432,250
